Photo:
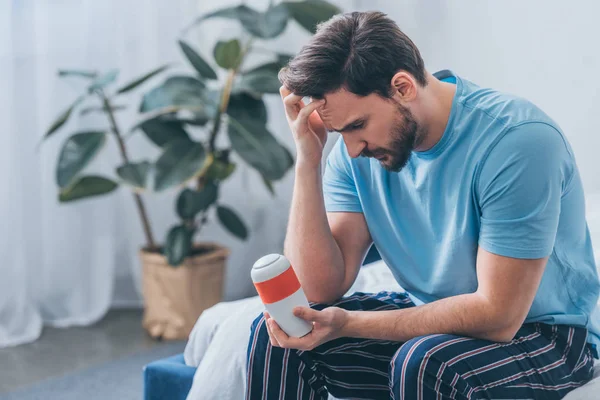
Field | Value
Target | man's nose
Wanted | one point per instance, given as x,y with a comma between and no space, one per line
355,147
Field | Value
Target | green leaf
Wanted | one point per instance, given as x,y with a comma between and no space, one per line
197,62
232,222
191,202
161,131
220,170
76,153
136,82
274,66
63,117
262,81
195,119
103,80
309,13
180,160
78,73
135,174
227,54
284,58
265,25
243,106
269,185
178,244
182,92
87,186
259,148
91,109
228,12
271,67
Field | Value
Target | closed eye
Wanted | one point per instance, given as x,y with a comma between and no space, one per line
352,126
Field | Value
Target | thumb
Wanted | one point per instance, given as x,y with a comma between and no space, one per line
308,314
305,113
315,121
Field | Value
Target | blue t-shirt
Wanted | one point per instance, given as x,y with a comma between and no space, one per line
503,177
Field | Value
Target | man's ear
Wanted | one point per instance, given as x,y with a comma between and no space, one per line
405,86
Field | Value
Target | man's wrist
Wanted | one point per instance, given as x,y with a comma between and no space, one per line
351,327
306,163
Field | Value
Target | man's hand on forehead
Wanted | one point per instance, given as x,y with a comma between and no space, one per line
306,124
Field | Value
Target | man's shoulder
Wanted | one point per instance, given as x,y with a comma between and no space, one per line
506,109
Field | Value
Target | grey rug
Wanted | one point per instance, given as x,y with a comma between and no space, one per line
119,379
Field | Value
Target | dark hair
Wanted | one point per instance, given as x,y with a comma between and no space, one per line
359,51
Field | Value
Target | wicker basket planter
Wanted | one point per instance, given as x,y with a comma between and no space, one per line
174,298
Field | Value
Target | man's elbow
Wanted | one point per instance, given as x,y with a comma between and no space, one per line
322,298
504,327
501,324
322,295
501,336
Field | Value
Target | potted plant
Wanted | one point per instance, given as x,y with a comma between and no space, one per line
181,278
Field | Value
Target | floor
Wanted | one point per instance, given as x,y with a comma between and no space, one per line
60,351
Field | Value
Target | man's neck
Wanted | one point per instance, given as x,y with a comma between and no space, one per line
437,102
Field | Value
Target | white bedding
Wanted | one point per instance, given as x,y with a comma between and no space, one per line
217,345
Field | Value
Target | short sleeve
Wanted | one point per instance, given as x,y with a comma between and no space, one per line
519,190
339,188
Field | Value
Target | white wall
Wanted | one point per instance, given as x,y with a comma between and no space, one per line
544,50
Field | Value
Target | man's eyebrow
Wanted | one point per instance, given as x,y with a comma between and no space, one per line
349,126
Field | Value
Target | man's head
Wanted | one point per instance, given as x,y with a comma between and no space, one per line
369,73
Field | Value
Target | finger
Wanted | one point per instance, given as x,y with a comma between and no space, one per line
283,91
293,104
272,339
316,122
308,314
280,336
303,343
307,111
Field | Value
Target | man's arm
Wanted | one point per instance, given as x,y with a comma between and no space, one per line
326,250
507,287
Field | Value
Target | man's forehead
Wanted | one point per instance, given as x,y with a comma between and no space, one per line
339,109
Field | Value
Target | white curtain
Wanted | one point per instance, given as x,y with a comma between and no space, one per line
64,265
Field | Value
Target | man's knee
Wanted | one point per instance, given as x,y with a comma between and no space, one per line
259,337
258,329
418,367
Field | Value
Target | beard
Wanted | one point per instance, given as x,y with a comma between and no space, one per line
405,136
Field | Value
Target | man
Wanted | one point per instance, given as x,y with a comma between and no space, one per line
475,203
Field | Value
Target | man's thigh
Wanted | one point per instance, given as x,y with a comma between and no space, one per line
355,367
345,367
542,361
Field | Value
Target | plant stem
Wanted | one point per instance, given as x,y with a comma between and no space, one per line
225,95
150,244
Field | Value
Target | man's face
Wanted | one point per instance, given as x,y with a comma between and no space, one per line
372,126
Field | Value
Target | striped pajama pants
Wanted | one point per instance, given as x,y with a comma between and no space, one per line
541,362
